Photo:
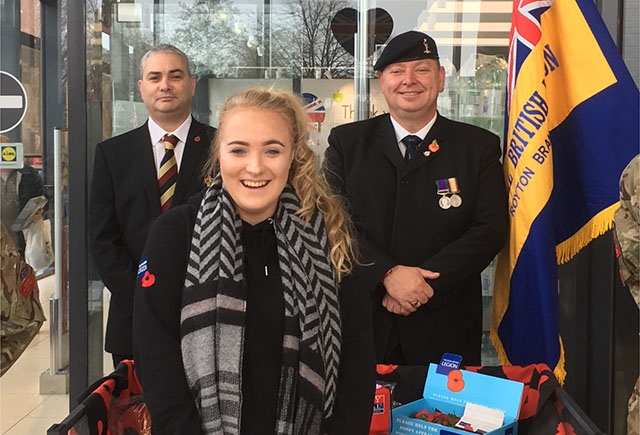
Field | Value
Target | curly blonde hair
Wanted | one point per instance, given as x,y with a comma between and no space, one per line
309,184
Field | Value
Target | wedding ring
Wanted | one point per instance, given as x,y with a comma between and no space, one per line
414,304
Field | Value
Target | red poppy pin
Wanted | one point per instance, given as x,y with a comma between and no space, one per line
197,138
147,280
432,148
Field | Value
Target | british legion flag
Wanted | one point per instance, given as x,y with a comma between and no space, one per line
571,128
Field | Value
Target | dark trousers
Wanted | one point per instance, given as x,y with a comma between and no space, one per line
394,354
117,358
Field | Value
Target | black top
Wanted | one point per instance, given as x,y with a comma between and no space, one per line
157,335
262,357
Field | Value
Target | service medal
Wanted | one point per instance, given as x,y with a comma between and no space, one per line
455,200
444,202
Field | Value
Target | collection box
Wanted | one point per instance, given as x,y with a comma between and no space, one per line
484,402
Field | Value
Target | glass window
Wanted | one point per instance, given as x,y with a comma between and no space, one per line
312,47
32,224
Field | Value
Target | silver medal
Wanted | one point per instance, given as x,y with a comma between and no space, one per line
455,200
444,202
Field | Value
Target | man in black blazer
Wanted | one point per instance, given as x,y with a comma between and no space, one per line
125,193
431,212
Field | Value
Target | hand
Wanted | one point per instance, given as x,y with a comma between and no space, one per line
394,306
37,215
407,289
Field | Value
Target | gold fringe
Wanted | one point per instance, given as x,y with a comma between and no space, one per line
559,371
565,251
597,226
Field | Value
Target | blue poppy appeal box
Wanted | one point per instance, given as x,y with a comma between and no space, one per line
475,402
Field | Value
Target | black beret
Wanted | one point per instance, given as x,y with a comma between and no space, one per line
407,46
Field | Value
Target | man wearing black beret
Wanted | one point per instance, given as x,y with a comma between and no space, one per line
427,196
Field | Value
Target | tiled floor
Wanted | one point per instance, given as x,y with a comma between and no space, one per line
23,411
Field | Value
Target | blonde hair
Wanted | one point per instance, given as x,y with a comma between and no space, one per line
309,185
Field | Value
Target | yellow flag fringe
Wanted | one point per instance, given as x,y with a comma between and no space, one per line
597,226
559,371
565,251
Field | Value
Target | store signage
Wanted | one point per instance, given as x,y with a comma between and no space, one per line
13,102
11,155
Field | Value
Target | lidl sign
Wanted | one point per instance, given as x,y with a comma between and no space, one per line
11,155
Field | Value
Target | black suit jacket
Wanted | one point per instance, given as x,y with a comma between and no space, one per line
124,201
395,209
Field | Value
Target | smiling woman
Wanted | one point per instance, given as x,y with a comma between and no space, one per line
241,277
256,113
255,151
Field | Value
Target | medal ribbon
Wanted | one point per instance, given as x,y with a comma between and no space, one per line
443,187
453,185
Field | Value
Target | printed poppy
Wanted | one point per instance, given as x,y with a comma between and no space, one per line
455,382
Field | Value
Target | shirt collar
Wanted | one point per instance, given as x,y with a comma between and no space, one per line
401,132
156,132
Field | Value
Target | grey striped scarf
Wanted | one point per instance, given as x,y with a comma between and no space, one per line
213,317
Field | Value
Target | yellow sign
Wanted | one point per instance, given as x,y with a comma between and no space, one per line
9,153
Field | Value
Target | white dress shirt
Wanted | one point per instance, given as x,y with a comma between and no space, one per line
401,132
156,133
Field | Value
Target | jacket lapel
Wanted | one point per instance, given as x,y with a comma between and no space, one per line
143,154
423,154
387,142
194,152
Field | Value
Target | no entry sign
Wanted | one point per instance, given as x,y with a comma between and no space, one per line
13,102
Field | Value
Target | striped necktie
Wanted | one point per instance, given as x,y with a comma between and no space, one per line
168,176
412,142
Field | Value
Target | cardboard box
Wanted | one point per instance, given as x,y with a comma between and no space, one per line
450,394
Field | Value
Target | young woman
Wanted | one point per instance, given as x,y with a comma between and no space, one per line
246,319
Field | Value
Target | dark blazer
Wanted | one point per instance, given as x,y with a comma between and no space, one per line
124,201
396,212
31,185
